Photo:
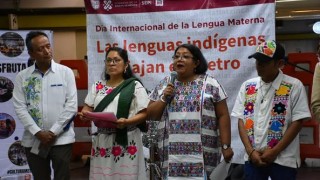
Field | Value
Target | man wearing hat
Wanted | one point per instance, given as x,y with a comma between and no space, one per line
270,109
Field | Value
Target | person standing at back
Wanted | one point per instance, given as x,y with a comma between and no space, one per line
45,101
315,95
271,109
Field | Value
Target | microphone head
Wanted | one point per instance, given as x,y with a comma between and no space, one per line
173,75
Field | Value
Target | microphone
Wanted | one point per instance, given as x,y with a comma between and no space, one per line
173,77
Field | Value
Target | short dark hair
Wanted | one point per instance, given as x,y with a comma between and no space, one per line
30,62
31,35
197,56
124,55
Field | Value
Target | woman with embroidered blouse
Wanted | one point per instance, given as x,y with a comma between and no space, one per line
117,153
194,119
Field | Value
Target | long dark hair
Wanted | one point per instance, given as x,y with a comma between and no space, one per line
124,55
197,56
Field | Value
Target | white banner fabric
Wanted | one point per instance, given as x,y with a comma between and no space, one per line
226,36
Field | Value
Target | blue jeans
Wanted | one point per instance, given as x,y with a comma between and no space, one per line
274,171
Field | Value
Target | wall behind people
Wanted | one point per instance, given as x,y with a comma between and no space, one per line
69,45
300,46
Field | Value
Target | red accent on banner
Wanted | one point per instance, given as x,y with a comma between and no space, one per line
142,6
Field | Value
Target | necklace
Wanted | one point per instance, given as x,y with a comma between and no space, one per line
264,95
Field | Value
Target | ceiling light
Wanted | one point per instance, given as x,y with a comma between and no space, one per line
316,27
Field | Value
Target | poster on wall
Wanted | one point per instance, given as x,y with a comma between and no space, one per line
225,31
13,58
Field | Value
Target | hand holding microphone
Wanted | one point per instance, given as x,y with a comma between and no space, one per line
168,92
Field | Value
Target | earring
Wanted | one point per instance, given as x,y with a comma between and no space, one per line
125,70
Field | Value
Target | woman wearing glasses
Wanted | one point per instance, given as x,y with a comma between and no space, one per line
194,118
117,153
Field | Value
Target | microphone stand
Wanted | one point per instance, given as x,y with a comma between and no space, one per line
294,65
155,172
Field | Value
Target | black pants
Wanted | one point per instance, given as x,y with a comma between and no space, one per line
59,156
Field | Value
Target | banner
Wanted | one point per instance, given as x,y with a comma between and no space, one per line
227,32
13,58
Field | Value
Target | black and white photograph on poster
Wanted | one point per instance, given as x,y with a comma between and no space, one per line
7,125
6,88
17,154
11,44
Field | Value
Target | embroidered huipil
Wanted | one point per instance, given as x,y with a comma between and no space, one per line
266,122
46,101
109,160
189,143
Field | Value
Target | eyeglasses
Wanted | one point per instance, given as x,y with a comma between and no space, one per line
183,57
114,61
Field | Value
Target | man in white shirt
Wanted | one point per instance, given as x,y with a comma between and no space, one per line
271,109
45,101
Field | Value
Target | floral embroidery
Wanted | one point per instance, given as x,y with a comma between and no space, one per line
32,89
249,128
132,150
273,142
109,90
282,91
103,152
276,126
249,108
251,89
250,98
116,151
99,86
92,152
278,113
36,116
279,108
